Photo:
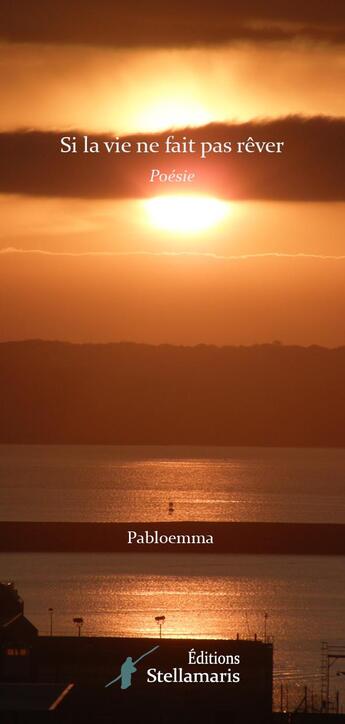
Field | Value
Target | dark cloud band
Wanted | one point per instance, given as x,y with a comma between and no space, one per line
310,169
152,23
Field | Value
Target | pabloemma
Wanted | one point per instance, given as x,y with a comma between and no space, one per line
154,537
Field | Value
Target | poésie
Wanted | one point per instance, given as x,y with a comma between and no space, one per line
172,177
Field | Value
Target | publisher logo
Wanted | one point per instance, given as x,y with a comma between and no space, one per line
128,668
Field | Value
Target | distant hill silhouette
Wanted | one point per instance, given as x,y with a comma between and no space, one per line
54,392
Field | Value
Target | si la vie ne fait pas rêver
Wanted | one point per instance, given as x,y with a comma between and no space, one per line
86,145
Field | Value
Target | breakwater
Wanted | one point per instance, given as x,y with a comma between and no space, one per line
174,537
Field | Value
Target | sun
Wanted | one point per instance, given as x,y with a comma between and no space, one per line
186,214
170,113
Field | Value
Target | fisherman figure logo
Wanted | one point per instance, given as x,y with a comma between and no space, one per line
127,669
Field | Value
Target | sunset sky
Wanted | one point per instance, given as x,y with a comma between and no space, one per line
84,254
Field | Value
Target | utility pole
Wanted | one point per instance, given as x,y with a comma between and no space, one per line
160,620
78,621
51,612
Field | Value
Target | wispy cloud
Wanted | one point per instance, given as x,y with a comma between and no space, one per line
195,254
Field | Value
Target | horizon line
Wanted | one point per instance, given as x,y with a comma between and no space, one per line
277,343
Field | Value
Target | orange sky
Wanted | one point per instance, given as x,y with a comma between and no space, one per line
98,89
81,269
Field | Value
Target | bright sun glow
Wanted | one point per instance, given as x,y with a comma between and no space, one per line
173,114
186,214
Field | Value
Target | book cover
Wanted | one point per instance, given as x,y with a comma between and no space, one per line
172,357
